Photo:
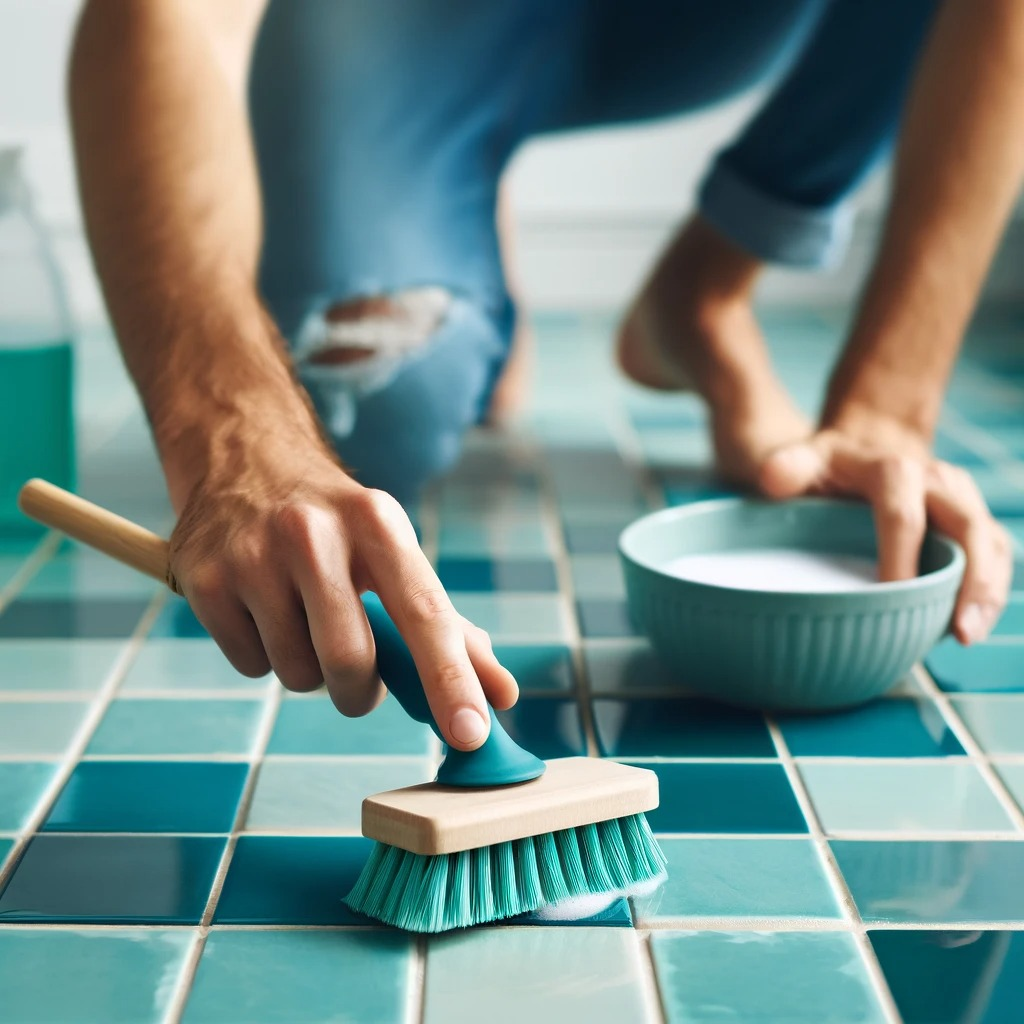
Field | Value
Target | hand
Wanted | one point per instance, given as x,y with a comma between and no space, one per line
273,555
882,462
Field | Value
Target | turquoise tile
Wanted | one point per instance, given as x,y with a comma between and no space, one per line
539,618
325,796
627,667
499,500
6,845
680,727
98,618
752,878
736,798
605,617
292,880
112,879
538,668
301,977
997,723
114,976
707,977
177,620
903,797
949,449
192,665
78,572
315,726
1003,496
597,576
945,882
56,664
1013,776
948,977
39,728
493,537
13,554
539,974
21,786
149,796
547,726
483,575
1011,622
177,727
885,728
980,668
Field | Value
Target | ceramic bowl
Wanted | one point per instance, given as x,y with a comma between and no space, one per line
784,649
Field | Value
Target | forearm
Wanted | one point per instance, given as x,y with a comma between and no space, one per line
959,167
170,194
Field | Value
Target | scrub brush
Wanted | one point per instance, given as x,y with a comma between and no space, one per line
498,834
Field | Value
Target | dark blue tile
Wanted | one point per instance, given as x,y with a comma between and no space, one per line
886,728
582,538
485,574
679,727
178,620
148,796
949,977
741,798
980,668
545,667
292,880
548,727
112,879
605,617
94,618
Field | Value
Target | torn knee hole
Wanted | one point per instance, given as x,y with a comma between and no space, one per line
392,325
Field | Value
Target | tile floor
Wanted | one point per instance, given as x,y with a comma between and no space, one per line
175,839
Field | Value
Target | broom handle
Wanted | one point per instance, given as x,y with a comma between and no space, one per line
99,528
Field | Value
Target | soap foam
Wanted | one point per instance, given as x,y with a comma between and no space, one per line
777,569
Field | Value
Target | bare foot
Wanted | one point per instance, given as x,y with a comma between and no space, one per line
692,328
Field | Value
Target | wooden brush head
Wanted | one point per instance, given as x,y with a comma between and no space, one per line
431,819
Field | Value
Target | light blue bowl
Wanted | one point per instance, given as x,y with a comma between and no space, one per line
785,650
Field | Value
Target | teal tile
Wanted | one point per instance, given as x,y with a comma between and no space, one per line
315,726
79,572
177,727
997,723
885,728
539,618
21,786
301,977
547,726
96,618
681,727
13,554
494,501
483,575
6,845
948,977
1011,622
980,668
706,977
539,974
494,537
39,728
56,664
752,878
184,665
177,621
939,882
325,795
720,797
627,667
538,667
597,576
903,797
113,976
1013,776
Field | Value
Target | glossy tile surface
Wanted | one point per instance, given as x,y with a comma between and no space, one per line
57,665
114,976
487,574
981,668
997,723
88,618
547,726
168,664
538,667
300,977
762,977
21,786
38,728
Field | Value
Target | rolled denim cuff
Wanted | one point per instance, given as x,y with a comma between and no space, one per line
774,229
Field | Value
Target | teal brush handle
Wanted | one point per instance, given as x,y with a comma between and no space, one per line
499,762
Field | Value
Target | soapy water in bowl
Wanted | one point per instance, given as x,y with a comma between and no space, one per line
777,569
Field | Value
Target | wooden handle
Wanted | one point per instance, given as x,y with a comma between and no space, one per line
112,534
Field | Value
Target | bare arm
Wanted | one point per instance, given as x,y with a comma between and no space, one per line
275,542
959,168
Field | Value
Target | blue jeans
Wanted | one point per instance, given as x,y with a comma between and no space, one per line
382,128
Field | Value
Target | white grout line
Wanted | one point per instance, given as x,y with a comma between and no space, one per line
648,972
83,735
183,988
39,556
416,1002
835,877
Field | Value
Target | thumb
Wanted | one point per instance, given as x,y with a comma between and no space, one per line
791,470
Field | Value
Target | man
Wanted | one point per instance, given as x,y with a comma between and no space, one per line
377,138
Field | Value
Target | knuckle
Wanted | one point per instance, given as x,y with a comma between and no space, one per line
381,514
207,585
427,605
448,677
905,515
297,525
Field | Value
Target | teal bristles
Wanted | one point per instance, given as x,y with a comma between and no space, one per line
455,890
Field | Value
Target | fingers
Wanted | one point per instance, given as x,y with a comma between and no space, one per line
897,495
228,621
401,576
957,509
793,470
499,684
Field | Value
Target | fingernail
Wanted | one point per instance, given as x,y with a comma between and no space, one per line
974,623
467,726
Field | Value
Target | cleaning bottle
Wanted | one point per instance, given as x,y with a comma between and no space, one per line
36,415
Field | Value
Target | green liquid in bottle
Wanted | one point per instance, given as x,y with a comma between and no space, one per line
36,424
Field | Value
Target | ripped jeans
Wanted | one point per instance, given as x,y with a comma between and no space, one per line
382,129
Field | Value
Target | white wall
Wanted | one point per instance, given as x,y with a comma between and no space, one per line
592,207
